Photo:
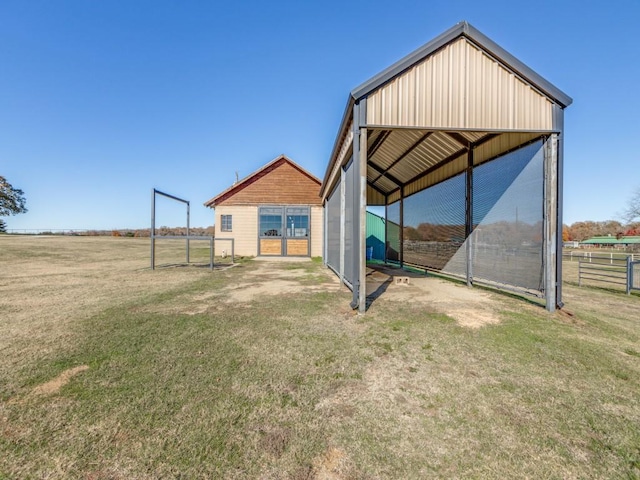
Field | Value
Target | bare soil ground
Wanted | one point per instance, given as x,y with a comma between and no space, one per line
470,307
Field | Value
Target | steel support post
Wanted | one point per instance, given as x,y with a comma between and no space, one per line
629,275
354,257
362,223
341,234
355,235
469,217
386,227
559,241
401,232
325,232
550,220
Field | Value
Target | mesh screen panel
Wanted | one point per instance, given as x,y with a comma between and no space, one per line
507,242
434,225
392,251
333,226
349,252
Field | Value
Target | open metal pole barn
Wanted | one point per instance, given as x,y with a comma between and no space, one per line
462,144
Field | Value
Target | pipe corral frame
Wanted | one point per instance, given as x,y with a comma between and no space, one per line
155,192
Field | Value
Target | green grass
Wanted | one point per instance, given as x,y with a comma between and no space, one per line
183,383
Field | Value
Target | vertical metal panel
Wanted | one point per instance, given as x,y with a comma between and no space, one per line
460,86
508,220
332,210
469,217
343,156
350,253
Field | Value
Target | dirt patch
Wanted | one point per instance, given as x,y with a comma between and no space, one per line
269,279
275,440
473,317
333,465
53,386
249,292
470,307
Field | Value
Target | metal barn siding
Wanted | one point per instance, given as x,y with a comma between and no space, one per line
332,211
460,87
413,136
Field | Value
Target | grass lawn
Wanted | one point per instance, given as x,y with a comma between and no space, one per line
109,370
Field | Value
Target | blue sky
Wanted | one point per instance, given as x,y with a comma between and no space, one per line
102,101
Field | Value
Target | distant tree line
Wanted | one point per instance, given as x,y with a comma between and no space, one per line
140,232
580,231
160,231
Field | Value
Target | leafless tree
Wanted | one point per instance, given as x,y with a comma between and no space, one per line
632,212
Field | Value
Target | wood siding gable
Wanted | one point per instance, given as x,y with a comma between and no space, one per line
280,182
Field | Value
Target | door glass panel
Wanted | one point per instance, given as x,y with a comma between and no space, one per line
270,225
297,225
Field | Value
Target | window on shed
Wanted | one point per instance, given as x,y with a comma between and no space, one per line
271,221
226,223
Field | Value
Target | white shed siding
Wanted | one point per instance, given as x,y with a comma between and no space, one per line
317,230
244,228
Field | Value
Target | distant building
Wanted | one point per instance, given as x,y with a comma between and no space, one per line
275,211
611,242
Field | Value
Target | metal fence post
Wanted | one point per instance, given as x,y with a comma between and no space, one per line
188,217
629,276
211,253
153,229
579,273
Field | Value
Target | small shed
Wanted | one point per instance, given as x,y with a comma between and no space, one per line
462,144
275,211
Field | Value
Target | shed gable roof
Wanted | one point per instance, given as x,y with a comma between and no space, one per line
281,181
457,90
463,29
